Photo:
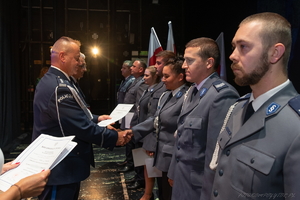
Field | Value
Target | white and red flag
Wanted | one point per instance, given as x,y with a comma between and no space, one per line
154,47
222,66
171,43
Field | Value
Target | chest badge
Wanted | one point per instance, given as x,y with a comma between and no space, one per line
272,108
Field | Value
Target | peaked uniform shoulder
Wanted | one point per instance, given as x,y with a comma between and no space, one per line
220,85
61,82
294,103
245,97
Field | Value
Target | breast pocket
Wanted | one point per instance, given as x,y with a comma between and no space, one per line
192,126
249,162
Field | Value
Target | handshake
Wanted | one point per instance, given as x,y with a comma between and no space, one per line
123,136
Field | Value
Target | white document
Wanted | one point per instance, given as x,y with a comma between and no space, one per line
128,119
118,113
152,171
139,156
45,152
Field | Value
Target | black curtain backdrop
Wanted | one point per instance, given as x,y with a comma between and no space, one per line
9,76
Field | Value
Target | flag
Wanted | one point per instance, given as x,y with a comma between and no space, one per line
170,42
222,66
154,47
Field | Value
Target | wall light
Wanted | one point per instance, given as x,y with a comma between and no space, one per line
95,51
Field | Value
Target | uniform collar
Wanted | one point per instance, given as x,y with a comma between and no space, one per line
68,77
260,100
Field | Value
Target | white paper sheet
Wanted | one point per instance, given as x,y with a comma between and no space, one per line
43,153
152,171
139,156
118,113
128,119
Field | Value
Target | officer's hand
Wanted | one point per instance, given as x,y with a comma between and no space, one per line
103,117
150,153
170,182
128,133
111,127
123,138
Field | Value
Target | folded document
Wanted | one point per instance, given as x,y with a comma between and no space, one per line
45,152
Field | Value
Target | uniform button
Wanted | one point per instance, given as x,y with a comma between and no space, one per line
216,193
177,159
191,124
221,172
178,147
179,134
220,139
252,160
182,122
227,152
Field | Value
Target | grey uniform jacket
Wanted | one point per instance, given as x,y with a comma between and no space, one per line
124,88
149,142
198,127
167,114
131,95
141,112
261,159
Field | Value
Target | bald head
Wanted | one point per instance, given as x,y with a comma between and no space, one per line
65,55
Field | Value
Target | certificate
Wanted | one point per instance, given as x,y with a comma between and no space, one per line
43,153
118,113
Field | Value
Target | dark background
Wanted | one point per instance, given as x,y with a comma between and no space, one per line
28,28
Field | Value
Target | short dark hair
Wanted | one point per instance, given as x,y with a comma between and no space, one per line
276,29
142,62
208,48
176,66
167,55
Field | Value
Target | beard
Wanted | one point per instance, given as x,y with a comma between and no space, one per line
255,76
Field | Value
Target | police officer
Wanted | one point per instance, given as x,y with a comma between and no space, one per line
59,111
259,145
199,122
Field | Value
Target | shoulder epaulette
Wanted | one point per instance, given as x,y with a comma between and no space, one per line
245,97
219,85
294,103
61,82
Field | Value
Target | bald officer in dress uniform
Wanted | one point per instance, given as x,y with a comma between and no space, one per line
60,111
201,118
259,157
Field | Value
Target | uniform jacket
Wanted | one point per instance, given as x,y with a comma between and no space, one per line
149,142
76,166
130,96
260,159
141,112
166,115
124,88
133,94
198,127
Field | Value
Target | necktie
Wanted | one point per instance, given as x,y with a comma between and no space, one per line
249,112
168,99
195,90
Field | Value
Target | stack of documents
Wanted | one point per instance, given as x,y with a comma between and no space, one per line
43,153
